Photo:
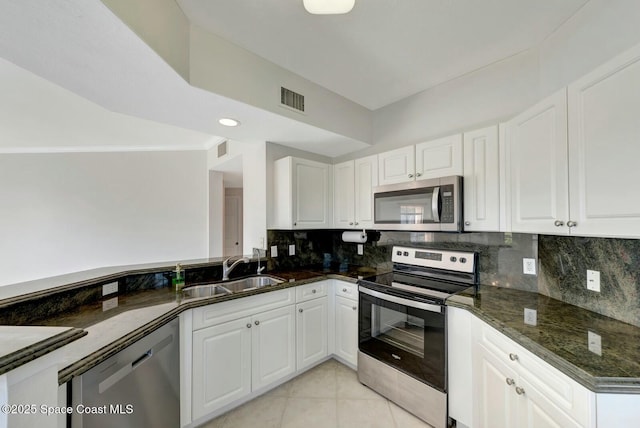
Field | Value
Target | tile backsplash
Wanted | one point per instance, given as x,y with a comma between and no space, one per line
562,262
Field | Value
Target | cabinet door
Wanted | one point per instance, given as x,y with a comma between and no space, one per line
535,410
439,158
312,198
604,136
495,404
396,166
538,167
343,195
273,346
346,333
221,365
311,332
366,178
481,180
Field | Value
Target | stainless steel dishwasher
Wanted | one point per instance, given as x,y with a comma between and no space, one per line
138,387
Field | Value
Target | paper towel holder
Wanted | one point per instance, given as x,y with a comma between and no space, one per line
357,237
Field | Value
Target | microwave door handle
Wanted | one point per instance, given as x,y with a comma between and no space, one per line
435,203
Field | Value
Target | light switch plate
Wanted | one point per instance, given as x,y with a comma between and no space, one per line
274,251
593,280
530,316
292,249
529,266
109,288
360,249
595,343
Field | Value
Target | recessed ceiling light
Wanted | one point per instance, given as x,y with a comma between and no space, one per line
227,121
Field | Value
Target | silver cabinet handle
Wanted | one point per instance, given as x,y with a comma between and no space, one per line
410,175
572,224
344,290
419,174
313,291
357,223
558,223
295,224
510,381
249,325
519,391
257,323
467,223
301,310
354,308
513,357
350,223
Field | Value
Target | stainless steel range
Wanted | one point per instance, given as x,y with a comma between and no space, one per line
402,327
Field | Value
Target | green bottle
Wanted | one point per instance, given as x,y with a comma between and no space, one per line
178,280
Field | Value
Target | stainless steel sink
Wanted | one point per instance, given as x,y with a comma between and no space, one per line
229,287
250,283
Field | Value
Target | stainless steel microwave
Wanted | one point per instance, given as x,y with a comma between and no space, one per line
421,205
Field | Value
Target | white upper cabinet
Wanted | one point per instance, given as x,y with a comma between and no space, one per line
353,193
604,148
302,194
396,166
431,159
538,170
439,158
481,180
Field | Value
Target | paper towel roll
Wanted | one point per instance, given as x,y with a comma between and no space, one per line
359,237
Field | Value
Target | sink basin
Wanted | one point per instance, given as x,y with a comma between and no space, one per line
250,283
209,290
228,287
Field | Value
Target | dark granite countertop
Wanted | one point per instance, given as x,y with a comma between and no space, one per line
560,336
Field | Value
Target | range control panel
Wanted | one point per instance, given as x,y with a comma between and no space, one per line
460,261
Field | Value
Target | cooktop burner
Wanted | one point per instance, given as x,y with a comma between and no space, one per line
426,274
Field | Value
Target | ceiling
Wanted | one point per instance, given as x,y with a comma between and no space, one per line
383,50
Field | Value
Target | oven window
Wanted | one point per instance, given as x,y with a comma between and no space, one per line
399,329
409,339
404,207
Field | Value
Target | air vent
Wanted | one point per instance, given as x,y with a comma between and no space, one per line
222,149
291,99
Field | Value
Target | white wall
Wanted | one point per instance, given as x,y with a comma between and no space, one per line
254,189
596,33
66,212
216,214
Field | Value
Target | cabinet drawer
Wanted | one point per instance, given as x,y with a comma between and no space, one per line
574,399
246,306
311,291
346,289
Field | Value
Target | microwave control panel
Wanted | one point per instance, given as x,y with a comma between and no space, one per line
448,204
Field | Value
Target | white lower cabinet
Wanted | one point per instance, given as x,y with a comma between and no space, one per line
346,330
232,358
311,332
514,388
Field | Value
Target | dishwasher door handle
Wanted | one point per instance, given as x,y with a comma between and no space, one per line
134,364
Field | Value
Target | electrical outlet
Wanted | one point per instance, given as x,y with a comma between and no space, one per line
292,249
360,249
107,305
530,316
274,251
529,266
593,280
595,342
109,288
262,242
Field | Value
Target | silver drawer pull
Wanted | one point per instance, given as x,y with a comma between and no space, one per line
513,357
313,291
410,175
558,223
510,381
519,391
396,357
344,290
249,325
354,308
572,223
301,310
257,323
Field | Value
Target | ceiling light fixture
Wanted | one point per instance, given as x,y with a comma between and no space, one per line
328,7
227,121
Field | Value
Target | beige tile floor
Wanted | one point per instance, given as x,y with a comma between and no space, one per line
327,396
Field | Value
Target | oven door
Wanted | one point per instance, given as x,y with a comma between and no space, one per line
406,334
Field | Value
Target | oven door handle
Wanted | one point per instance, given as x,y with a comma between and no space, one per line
401,301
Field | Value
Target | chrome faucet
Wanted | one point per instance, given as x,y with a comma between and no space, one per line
226,269
259,252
